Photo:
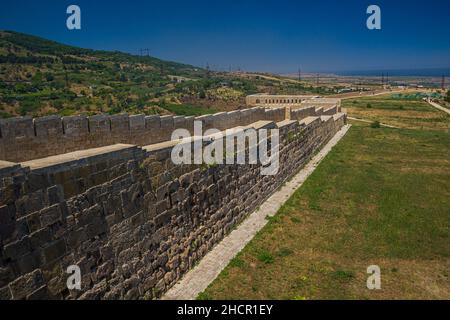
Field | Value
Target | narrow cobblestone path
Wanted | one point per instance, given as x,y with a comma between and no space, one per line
198,279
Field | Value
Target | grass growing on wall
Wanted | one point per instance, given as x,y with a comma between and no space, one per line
382,196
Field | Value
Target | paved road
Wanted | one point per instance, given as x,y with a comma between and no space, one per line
438,106
198,279
352,95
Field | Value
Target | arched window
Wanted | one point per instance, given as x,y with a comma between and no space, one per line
257,101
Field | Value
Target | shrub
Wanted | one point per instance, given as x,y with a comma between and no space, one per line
368,106
49,77
4,115
265,257
284,252
29,106
343,274
236,262
375,124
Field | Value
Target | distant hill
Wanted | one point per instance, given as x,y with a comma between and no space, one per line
40,77
33,46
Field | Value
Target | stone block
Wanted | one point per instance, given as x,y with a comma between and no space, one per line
152,122
18,248
50,127
54,251
17,129
137,122
75,126
99,124
50,215
26,284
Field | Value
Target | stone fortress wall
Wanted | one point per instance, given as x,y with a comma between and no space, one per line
24,138
102,193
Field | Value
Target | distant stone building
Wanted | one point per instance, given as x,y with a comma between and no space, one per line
268,100
292,102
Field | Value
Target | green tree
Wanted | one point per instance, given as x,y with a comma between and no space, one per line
37,79
49,77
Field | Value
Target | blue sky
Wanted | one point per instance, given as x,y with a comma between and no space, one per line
276,36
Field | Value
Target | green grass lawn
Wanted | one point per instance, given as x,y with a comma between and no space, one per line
403,113
381,196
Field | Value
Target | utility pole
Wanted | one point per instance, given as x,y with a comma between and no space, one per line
443,83
299,74
207,70
66,76
382,79
387,78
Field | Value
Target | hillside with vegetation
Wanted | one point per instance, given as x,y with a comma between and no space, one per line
41,77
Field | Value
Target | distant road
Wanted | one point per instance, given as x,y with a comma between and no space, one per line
438,106
369,121
363,94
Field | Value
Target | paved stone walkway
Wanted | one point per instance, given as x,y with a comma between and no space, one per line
198,279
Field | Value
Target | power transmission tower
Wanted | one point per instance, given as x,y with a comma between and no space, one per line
144,50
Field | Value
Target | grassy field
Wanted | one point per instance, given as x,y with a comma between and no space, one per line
382,196
403,113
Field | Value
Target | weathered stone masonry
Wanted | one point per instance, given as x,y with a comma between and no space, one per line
24,138
132,220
